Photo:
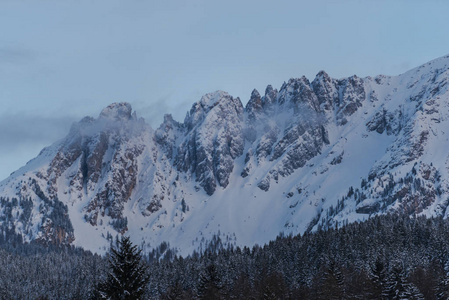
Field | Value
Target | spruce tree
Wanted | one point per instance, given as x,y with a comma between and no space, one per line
378,272
210,287
398,287
442,289
127,278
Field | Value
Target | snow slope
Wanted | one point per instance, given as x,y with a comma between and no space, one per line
311,155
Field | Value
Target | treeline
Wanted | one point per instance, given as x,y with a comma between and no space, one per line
385,257
31,272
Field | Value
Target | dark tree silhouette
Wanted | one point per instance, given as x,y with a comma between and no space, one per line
128,277
398,286
210,286
332,286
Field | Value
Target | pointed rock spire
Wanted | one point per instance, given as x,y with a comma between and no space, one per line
254,105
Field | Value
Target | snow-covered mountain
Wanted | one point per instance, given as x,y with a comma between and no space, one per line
309,155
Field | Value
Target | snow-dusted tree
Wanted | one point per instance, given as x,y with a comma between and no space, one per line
332,285
210,286
378,272
127,278
442,289
398,287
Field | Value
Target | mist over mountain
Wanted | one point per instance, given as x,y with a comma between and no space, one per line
309,155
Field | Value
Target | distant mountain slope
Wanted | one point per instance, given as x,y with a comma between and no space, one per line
309,155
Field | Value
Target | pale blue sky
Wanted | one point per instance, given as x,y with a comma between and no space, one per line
62,60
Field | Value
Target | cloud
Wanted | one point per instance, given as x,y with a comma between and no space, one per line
16,55
23,136
154,113
22,130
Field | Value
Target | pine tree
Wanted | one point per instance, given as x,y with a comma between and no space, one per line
332,285
127,278
174,292
210,286
378,276
398,286
442,290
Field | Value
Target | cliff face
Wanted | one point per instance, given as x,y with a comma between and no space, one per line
309,155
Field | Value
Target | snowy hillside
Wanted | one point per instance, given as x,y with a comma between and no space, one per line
306,156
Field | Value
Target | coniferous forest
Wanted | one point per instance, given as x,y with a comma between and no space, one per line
386,257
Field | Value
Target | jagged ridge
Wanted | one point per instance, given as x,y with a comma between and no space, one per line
312,154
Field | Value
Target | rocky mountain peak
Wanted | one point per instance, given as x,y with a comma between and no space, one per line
254,105
270,97
325,90
298,95
322,78
214,138
312,154
121,111
169,123
210,100
255,94
322,75
200,110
